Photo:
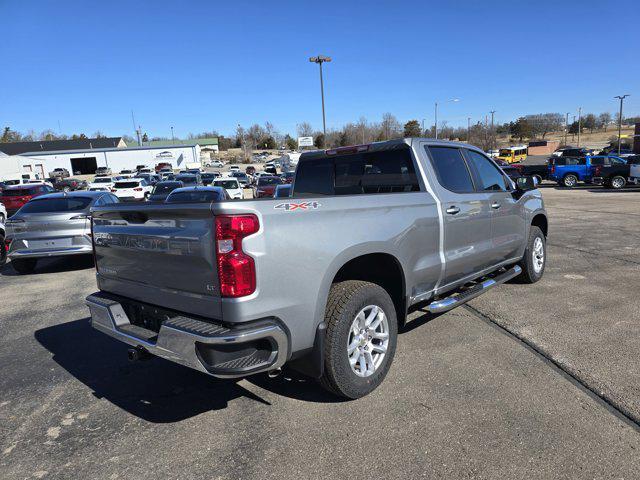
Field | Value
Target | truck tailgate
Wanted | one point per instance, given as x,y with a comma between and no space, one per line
159,254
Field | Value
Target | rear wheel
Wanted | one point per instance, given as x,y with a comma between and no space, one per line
24,265
360,340
618,182
535,257
538,179
3,251
570,180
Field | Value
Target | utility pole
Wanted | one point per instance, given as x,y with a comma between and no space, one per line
320,60
172,137
621,97
422,133
579,123
566,129
492,112
137,130
436,121
468,129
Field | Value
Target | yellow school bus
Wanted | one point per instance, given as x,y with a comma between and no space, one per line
513,154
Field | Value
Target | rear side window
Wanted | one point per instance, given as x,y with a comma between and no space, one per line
451,169
51,205
19,192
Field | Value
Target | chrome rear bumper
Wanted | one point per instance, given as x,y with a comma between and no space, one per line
211,348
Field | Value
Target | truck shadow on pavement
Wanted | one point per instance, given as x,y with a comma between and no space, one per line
53,265
156,390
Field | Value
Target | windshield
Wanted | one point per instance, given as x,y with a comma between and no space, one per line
166,187
226,183
19,192
505,153
51,205
269,181
193,196
127,184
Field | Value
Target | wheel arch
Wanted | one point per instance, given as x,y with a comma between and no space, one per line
371,263
540,220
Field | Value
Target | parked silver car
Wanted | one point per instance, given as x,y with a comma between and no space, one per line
52,225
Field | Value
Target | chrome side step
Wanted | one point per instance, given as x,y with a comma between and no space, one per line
457,299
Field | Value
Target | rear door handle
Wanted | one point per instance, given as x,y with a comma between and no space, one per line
495,205
453,210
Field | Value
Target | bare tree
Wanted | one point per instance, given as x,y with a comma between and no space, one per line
603,120
305,129
390,126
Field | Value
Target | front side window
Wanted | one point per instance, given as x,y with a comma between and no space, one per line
451,169
489,177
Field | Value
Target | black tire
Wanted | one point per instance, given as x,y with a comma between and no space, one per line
538,179
530,273
569,180
24,265
3,251
618,182
345,300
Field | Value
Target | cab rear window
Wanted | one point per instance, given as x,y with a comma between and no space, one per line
382,171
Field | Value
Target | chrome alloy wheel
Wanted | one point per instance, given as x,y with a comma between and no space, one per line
368,340
617,182
538,255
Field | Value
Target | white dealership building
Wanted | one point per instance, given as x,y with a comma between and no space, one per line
85,161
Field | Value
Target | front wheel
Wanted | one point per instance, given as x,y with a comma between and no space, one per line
538,179
535,257
361,338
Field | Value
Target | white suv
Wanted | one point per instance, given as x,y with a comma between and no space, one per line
231,185
132,189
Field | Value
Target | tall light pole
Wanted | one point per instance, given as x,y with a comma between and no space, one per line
436,115
566,129
173,140
422,133
621,97
492,112
579,123
468,129
320,60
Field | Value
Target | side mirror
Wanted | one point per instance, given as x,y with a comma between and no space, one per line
524,184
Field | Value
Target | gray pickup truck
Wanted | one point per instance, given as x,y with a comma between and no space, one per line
322,280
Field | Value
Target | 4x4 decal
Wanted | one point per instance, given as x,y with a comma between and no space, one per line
290,206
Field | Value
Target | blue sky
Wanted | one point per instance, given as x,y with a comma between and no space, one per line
204,65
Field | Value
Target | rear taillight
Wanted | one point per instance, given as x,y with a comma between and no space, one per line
598,170
113,190
138,189
553,169
7,243
236,269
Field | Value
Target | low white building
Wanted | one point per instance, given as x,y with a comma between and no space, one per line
13,167
83,162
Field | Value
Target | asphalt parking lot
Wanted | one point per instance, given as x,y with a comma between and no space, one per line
538,381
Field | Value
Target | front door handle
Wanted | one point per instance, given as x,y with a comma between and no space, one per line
495,205
453,210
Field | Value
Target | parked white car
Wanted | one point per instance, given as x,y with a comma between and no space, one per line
214,163
132,189
102,184
231,185
234,168
3,216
